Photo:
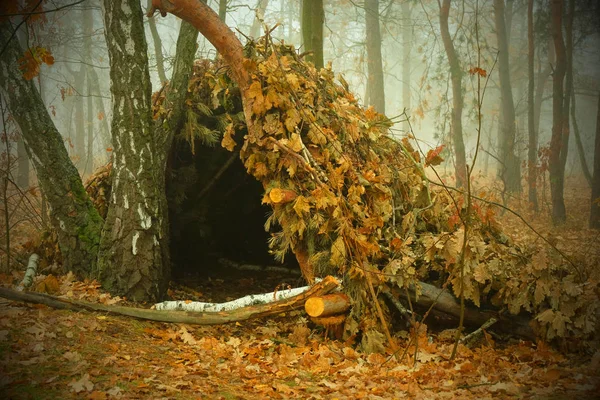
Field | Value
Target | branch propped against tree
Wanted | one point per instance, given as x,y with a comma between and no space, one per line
327,285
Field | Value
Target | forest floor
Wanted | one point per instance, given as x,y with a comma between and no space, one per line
55,354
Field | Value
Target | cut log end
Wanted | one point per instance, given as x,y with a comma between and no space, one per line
324,306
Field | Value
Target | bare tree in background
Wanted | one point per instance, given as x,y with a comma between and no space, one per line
509,162
557,171
313,17
376,92
457,96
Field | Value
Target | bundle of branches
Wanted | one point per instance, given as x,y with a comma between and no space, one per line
349,198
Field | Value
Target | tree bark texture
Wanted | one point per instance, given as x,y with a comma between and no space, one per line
77,223
457,97
595,203
509,160
557,171
313,17
533,137
374,59
133,258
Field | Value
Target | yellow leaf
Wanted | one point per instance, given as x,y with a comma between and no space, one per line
292,80
292,119
228,141
301,205
338,252
295,143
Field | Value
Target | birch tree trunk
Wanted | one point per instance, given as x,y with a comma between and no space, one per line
133,258
134,252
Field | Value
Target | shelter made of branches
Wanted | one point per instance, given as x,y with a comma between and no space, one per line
349,198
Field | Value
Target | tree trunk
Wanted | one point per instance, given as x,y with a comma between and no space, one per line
543,76
158,54
533,137
584,166
568,88
79,121
223,10
313,17
133,259
23,164
88,26
406,53
557,172
457,96
508,158
595,202
374,59
260,9
77,223
95,91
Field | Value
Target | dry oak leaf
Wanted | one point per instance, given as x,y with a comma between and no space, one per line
433,156
83,384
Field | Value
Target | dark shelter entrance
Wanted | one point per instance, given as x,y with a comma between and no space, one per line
217,220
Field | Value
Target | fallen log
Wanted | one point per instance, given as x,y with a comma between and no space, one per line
252,299
443,301
205,318
325,306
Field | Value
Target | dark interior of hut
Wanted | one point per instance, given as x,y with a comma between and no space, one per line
217,226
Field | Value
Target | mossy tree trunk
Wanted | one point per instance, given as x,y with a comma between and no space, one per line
77,223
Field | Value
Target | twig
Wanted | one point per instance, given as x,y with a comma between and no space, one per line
479,331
